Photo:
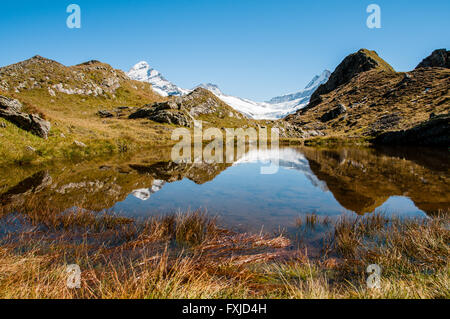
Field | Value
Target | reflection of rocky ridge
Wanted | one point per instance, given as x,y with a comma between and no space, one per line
91,188
31,185
95,187
199,173
362,180
435,159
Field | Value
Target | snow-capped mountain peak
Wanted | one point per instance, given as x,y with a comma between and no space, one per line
303,96
277,107
142,71
141,65
318,80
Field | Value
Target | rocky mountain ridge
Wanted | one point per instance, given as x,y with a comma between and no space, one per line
438,59
365,97
92,78
354,64
276,108
185,110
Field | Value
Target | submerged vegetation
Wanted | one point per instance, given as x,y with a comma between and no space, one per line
190,256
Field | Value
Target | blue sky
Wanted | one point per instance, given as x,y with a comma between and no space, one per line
251,48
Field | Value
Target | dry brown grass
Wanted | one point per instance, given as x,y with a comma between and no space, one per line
375,94
189,256
73,116
311,220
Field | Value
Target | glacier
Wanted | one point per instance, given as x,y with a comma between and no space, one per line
276,108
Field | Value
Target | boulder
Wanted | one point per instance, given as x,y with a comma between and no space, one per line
177,118
142,113
105,114
288,130
28,122
169,105
10,104
439,58
334,113
160,114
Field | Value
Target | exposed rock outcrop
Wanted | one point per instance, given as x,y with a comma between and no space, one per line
79,144
202,102
361,61
162,115
385,122
334,113
33,123
10,104
438,59
377,101
287,130
105,114
92,78
184,110
434,132
175,117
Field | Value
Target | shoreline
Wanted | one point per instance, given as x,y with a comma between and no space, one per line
188,256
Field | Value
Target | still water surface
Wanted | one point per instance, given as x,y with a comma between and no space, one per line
328,182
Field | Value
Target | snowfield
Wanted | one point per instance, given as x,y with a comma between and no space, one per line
276,108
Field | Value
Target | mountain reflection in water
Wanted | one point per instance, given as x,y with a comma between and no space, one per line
322,181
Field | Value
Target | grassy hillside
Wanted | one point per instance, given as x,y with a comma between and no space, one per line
70,98
376,100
